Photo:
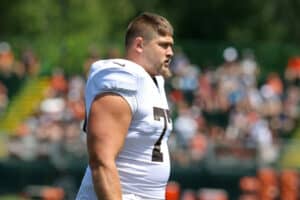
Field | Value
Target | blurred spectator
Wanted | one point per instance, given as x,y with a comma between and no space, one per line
261,135
59,84
3,98
188,195
249,185
198,145
173,191
30,62
292,72
8,64
75,97
185,75
44,192
269,185
230,54
289,179
248,197
212,194
179,61
113,52
185,125
23,145
93,55
250,70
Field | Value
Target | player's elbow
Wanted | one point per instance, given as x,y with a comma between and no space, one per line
96,162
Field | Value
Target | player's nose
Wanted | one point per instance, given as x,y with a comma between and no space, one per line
170,52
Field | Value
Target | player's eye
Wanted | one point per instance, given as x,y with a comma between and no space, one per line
165,45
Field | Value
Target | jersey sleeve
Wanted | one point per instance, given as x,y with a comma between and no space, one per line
119,81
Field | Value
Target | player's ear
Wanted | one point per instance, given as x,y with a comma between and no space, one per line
139,44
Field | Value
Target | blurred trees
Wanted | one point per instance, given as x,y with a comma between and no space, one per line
237,20
63,30
63,17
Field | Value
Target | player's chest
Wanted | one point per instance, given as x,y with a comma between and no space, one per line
153,110
152,93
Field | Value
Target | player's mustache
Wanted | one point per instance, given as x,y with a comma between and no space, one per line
168,62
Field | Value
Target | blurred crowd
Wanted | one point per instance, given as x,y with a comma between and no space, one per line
13,70
230,108
224,111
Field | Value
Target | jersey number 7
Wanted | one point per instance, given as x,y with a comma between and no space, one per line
159,113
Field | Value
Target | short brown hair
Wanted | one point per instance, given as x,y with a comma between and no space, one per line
146,25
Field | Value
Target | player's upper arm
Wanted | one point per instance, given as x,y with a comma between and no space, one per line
111,102
107,126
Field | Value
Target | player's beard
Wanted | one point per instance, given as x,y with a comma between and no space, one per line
165,71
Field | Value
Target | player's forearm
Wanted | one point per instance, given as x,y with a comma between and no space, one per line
106,182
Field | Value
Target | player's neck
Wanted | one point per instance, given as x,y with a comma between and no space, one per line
140,62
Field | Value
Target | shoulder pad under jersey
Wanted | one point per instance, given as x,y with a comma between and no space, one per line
115,77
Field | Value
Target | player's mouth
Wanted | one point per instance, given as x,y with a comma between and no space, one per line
167,62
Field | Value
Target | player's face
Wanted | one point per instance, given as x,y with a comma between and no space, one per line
158,54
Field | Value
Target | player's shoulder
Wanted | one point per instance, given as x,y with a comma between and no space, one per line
120,66
115,74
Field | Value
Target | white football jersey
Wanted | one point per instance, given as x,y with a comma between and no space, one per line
143,163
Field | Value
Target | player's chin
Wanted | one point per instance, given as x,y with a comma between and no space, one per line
165,71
